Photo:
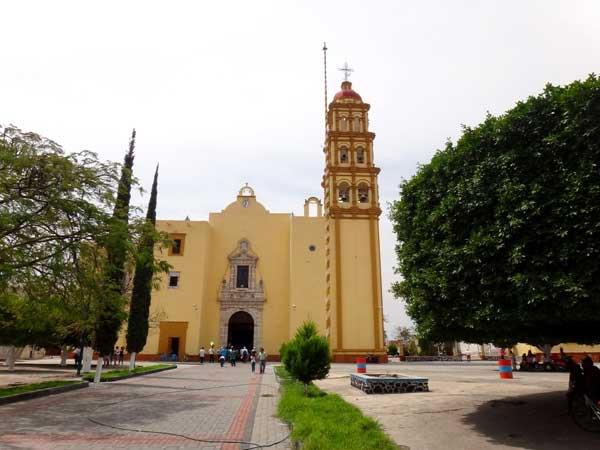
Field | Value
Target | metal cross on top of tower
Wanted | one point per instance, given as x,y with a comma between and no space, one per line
347,71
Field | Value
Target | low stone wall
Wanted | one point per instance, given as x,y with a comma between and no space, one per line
436,358
388,384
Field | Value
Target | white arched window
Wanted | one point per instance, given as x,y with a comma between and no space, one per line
363,193
343,193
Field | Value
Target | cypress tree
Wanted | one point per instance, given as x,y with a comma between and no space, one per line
110,313
139,311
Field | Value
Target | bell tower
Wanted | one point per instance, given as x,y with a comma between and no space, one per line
354,315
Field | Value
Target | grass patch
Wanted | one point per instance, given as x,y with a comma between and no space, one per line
325,421
112,374
5,392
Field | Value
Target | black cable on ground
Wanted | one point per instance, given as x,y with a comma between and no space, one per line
207,441
253,445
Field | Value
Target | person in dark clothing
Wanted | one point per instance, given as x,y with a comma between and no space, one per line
232,356
575,382
591,379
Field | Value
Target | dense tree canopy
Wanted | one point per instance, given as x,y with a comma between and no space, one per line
499,235
54,208
49,201
59,283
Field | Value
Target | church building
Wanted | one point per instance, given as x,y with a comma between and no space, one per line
250,277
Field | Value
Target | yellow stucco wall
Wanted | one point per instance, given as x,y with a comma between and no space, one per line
357,292
307,272
293,276
268,235
183,304
567,347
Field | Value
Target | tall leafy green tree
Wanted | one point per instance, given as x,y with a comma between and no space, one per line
111,313
49,201
499,235
141,296
52,205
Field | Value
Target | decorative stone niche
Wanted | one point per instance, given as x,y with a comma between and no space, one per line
242,290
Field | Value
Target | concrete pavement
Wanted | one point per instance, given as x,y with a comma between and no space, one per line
470,408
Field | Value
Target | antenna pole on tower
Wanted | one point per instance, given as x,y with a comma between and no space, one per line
325,80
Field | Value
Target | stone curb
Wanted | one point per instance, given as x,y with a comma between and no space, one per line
42,392
141,374
296,445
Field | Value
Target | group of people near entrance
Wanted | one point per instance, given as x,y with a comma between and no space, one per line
232,355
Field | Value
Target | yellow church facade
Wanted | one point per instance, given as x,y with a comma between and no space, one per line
250,277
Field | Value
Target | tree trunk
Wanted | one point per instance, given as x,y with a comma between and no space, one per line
63,356
98,370
88,354
547,352
11,357
132,361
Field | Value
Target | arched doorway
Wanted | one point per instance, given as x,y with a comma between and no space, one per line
240,330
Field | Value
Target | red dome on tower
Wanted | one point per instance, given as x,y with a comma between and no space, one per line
347,92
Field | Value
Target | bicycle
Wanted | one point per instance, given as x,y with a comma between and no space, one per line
586,413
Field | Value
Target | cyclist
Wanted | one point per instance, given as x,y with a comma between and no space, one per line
591,379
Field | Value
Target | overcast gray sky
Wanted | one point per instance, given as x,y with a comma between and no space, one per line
227,92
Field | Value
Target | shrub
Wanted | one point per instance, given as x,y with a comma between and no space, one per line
306,357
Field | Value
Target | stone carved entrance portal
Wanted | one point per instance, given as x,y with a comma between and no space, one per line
242,299
240,330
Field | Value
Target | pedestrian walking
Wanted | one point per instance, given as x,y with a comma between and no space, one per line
222,355
201,355
77,356
211,354
262,358
121,356
253,363
232,356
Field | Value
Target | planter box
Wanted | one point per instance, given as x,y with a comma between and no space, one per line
388,383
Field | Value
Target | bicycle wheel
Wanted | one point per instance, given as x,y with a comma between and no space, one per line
584,416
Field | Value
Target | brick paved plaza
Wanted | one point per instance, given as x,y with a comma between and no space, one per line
205,403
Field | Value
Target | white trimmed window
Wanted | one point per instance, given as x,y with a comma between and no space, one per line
174,280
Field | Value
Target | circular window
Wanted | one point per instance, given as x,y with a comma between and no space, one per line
312,248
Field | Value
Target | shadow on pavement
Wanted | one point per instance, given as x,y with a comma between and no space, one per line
536,422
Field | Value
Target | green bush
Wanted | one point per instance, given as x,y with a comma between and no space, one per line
392,349
306,357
